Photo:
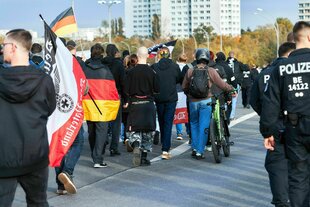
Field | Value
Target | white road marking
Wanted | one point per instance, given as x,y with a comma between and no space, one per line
184,147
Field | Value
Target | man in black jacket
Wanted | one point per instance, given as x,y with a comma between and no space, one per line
27,99
169,76
235,65
118,71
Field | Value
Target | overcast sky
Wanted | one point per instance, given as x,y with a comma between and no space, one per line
25,13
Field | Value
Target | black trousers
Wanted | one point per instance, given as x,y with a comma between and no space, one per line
298,152
34,184
276,166
246,94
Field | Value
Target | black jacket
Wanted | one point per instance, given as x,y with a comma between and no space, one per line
169,76
235,65
118,71
230,77
288,90
27,99
186,67
259,85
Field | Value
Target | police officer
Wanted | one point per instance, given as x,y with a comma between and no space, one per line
288,93
275,162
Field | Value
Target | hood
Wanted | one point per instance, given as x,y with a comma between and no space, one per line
220,56
164,63
18,84
108,60
95,63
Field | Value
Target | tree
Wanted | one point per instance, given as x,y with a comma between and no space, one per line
120,27
155,27
285,26
201,33
112,28
116,27
105,24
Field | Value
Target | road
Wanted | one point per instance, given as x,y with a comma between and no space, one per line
239,181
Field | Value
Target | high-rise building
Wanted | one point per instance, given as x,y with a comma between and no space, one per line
179,18
304,10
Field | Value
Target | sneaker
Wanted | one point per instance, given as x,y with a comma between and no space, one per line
209,148
66,180
100,165
156,138
136,160
194,153
61,190
114,153
179,137
199,156
165,155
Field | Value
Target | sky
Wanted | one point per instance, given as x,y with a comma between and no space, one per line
25,13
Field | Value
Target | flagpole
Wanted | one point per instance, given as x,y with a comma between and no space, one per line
82,48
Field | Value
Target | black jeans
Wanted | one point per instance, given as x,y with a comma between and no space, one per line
34,184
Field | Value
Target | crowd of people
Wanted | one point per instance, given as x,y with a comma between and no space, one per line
148,98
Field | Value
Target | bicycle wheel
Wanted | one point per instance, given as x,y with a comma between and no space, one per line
216,146
226,141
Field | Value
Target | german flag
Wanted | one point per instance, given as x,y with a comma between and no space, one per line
103,90
64,23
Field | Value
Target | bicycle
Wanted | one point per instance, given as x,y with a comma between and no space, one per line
219,132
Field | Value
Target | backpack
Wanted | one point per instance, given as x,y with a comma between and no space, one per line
199,83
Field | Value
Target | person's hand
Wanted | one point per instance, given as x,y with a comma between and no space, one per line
235,94
269,143
125,105
228,102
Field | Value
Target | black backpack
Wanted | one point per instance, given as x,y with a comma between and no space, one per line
198,86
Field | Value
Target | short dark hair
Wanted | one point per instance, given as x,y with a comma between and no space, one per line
285,48
111,50
125,53
96,50
298,27
36,48
21,36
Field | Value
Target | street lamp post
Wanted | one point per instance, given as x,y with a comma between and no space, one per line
195,41
221,35
275,27
208,37
182,46
109,4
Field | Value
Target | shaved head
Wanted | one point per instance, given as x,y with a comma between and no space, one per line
301,31
142,54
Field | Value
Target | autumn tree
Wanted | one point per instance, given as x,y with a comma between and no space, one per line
155,27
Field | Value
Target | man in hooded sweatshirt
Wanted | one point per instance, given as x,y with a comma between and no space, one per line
27,99
166,101
118,70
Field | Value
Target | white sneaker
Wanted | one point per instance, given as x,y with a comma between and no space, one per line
101,165
209,148
165,155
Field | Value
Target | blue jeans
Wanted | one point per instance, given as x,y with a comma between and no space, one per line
71,158
200,114
178,127
234,104
165,113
